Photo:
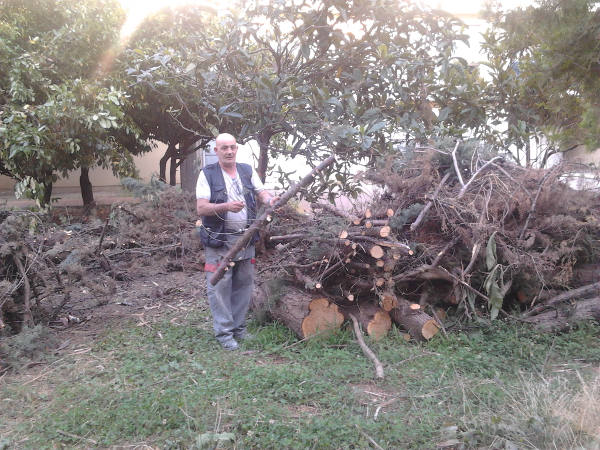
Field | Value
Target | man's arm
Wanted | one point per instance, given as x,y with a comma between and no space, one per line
266,198
205,208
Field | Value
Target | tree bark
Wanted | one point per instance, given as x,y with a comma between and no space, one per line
373,319
163,161
87,192
413,319
263,158
173,170
305,315
47,193
563,316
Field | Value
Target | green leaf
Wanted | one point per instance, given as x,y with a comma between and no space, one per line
375,128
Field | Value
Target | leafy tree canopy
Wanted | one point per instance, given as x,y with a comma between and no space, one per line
59,108
544,65
308,78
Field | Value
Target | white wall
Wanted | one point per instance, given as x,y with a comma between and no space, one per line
146,164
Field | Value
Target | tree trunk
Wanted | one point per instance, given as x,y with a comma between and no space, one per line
263,158
47,193
163,161
87,193
565,315
173,170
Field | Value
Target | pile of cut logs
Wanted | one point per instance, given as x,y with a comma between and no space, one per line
356,277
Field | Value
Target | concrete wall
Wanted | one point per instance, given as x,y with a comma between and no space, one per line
581,155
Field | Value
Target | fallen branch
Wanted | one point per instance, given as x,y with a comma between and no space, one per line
583,291
427,207
366,350
456,168
533,204
464,189
27,316
264,218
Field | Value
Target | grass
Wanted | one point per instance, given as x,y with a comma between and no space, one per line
170,386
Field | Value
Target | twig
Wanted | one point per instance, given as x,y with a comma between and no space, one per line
333,210
479,243
427,207
456,168
442,252
27,316
99,249
366,350
370,439
74,436
464,189
533,204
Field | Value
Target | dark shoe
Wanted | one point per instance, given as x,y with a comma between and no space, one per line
230,345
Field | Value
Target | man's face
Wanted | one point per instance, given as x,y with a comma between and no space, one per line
226,149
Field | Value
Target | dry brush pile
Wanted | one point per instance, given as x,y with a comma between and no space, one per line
476,238
45,265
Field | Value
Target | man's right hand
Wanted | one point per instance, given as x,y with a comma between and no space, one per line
235,206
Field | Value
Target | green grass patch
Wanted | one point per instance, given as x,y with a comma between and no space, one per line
172,386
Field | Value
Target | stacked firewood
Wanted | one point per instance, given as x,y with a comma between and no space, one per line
354,274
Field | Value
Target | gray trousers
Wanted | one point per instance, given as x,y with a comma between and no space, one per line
230,298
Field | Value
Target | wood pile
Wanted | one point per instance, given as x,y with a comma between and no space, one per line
449,238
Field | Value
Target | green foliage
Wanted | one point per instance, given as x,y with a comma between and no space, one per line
304,79
544,68
61,109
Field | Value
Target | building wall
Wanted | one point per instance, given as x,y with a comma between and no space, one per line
581,155
147,165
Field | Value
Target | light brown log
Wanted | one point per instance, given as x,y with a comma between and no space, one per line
379,281
360,265
343,234
419,324
389,212
368,213
378,232
303,314
380,263
388,301
376,252
306,281
372,318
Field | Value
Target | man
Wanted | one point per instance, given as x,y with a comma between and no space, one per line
226,194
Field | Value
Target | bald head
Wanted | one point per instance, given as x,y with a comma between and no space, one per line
226,150
224,137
